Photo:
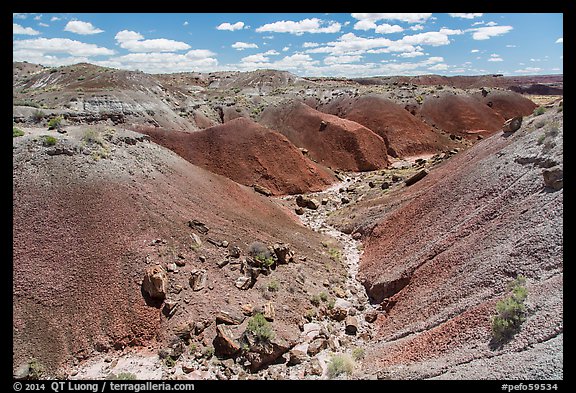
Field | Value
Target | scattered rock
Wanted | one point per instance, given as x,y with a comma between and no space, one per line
188,368
385,185
177,288
309,203
170,307
198,279
344,200
171,267
396,178
234,252
202,258
22,372
262,190
243,282
298,354
269,312
59,150
263,354
223,263
371,184
356,235
196,242
333,343
199,226
299,211
226,341
416,177
513,124
180,262
311,330
229,318
313,367
283,253
155,282
371,316
351,325
323,125
339,292
338,313
199,327
316,346
247,309
224,243
553,177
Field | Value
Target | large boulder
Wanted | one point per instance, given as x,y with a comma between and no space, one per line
155,282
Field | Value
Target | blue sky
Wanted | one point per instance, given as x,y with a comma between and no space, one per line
349,45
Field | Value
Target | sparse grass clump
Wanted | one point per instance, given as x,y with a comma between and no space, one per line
539,111
169,362
323,296
261,253
17,132
92,137
511,312
358,353
273,286
55,122
35,369
340,364
335,254
260,328
37,116
315,300
208,352
49,140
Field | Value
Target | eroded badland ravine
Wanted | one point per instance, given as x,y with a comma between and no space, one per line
260,225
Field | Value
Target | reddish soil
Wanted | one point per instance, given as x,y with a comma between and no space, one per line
507,104
83,232
404,133
457,114
249,154
467,229
334,142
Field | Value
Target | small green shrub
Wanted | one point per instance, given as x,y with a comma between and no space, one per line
261,253
540,139
260,328
273,286
92,137
331,303
37,116
323,296
208,352
340,364
35,369
511,312
310,314
315,300
49,140
335,254
539,111
358,353
169,362
55,122
17,132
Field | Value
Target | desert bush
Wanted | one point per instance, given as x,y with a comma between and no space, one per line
261,253
539,111
335,254
49,140
323,296
315,300
35,369
55,122
511,312
92,137
273,286
340,364
260,328
37,116
169,362
358,353
208,352
17,132
26,103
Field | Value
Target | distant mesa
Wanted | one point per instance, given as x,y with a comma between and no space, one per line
247,153
331,141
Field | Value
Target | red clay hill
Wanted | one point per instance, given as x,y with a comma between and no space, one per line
405,134
463,115
247,153
337,143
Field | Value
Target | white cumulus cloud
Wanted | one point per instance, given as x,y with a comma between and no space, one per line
61,45
342,59
466,15
485,33
313,25
243,45
385,28
408,18
135,42
83,28
560,40
20,30
230,27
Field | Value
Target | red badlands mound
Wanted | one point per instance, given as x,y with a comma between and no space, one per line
247,153
440,261
85,231
332,141
508,104
458,114
404,134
